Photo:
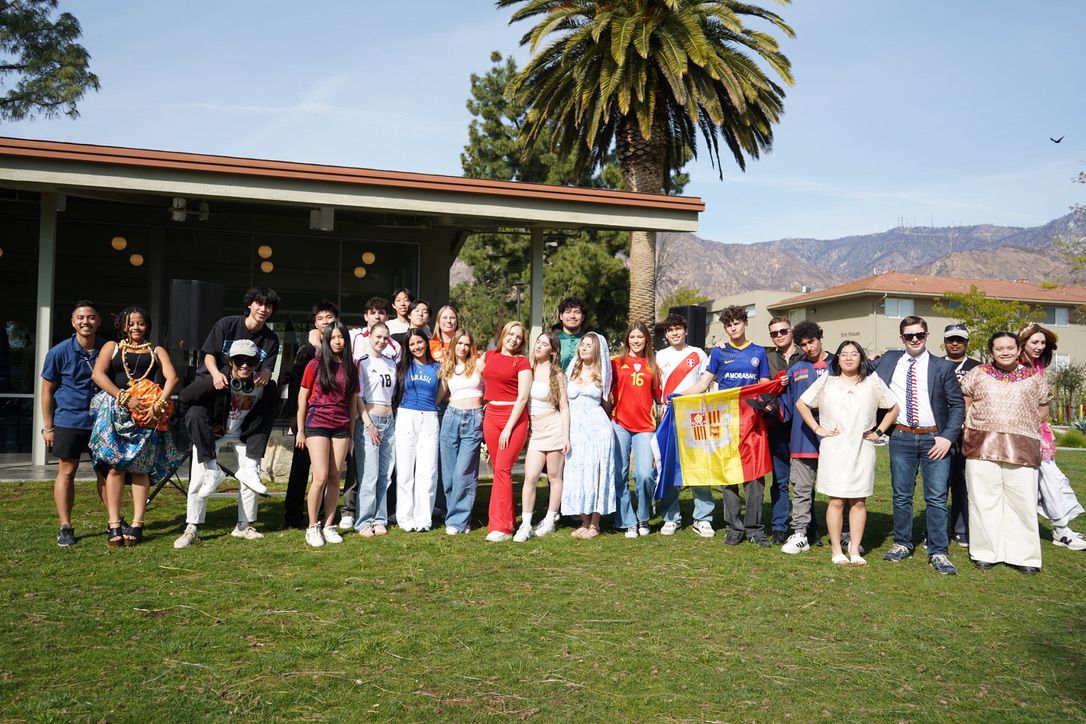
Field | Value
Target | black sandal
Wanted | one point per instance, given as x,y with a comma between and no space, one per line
115,534
133,534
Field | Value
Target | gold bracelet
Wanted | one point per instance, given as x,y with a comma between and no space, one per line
122,398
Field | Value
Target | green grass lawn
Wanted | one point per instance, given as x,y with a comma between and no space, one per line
425,627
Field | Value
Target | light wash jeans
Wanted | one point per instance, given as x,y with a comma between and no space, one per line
644,479
461,438
373,470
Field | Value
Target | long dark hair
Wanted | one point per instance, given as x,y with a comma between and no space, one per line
648,353
327,370
864,369
407,359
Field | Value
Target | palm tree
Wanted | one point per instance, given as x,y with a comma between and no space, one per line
646,76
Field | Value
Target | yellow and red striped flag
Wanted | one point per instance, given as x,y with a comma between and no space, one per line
721,440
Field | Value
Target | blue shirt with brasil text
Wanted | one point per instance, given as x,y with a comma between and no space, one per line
738,366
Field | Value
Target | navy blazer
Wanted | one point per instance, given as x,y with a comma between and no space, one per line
944,390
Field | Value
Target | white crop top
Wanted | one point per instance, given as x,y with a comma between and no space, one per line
462,387
376,380
539,402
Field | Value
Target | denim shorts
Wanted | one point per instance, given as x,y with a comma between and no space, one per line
335,433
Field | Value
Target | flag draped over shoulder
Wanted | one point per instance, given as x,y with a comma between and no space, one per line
714,439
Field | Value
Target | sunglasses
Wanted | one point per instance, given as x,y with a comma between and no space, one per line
915,336
779,332
243,361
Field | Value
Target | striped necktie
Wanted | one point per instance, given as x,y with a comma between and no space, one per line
912,409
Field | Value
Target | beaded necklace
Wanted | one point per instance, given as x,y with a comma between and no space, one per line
1016,375
144,348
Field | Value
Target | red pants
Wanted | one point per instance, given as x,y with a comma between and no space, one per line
502,512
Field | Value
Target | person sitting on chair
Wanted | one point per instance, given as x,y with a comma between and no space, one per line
241,413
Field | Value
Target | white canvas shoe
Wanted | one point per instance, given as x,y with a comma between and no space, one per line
248,532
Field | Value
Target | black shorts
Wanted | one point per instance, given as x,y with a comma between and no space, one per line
69,443
337,434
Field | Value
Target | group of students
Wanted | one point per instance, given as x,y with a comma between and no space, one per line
413,410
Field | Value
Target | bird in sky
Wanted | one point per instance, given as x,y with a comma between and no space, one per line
1055,140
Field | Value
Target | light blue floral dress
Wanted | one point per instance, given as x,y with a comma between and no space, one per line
588,481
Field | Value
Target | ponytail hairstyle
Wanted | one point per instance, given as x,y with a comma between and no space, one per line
327,370
449,361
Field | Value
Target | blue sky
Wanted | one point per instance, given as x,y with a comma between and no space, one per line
918,112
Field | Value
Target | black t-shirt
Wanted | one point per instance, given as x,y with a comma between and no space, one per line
229,329
960,368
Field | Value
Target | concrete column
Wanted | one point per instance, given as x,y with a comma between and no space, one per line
43,332
535,318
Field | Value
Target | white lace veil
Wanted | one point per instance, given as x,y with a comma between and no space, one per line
605,363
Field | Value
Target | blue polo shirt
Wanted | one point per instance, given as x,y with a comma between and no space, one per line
69,365
738,366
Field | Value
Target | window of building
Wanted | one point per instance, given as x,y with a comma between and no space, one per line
751,309
1059,361
1055,316
898,308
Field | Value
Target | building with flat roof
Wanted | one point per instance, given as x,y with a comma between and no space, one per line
116,225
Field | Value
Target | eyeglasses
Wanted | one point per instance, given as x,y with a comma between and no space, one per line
779,332
915,337
245,361
849,355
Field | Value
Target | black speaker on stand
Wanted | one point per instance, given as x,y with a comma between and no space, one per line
695,321
195,306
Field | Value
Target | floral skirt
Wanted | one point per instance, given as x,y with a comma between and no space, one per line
118,442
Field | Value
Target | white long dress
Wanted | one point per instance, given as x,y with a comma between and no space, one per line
588,479
846,462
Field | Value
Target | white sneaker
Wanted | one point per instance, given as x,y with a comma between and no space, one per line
1070,539
796,543
248,533
524,533
450,530
331,536
643,528
313,536
669,528
212,479
496,536
346,522
187,538
379,528
703,528
250,478
631,532
545,526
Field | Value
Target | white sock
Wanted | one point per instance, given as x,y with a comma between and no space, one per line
1062,531
526,519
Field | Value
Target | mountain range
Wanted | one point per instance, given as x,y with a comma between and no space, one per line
984,251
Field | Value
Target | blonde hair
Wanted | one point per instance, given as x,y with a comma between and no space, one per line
578,365
557,377
523,337
449,361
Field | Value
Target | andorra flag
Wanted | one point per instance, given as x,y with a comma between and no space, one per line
714,439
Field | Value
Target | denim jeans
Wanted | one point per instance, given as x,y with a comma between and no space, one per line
704,505
908,454
644,479
782,462
461,438
373,470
